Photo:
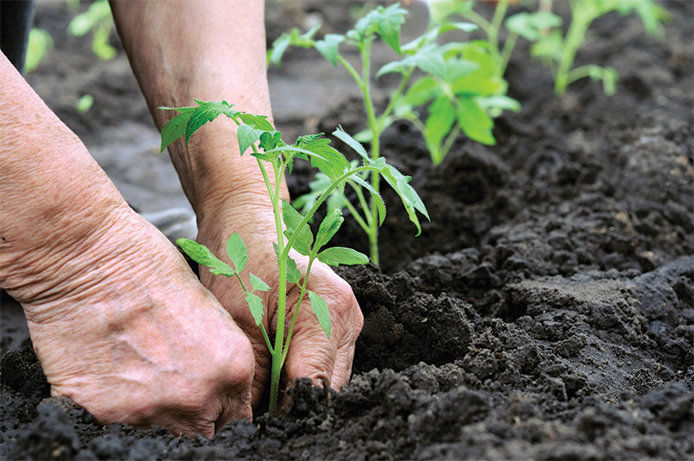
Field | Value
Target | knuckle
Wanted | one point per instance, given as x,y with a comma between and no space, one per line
344,302
239,366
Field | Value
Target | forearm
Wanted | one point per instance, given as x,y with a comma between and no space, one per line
52,192
214,50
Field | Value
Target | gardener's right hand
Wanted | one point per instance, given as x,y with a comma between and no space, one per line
122,326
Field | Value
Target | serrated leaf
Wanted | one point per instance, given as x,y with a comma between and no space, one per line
320,308
375,196
293,273
530,25
270,139
342,255
255,304
407,194
421,91
438,124
176,127
202,255
207,112
328,47
279,46
258,284
259,122
324,157
246,137
475,122
292,219
351,142
237,251
328,227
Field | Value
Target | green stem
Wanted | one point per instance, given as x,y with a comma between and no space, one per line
362,201
509,45
578,73
290,332
448,143
574,38
375,145
395,96
357,217
262,327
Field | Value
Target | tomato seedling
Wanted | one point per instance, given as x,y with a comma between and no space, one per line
255,132
558,51
460,89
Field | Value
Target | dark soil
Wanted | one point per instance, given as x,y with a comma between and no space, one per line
546,312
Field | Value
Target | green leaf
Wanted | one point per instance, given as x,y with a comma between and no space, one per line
279,46
259,122
237,251
293,273
407,194
385,22
341,255
351,142
207,112
320,308
530,25
38,45
328,47
202,255
439,10
494,105
375,196
475,122
270,139
328,227
438,124
176,127
255,304
246,137
326,158
258,284
421,91
292,219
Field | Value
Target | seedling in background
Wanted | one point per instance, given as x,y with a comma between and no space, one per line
99,21
558,51
460,89
268,147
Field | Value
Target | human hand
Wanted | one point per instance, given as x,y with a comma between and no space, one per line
311,353
124,328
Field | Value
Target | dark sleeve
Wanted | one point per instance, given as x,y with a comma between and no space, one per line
16,18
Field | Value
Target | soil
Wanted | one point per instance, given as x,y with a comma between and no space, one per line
546,312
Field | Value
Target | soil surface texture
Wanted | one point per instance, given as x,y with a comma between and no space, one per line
546,311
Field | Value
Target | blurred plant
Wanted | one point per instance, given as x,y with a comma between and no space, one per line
84,103
40,41
99,21
558,51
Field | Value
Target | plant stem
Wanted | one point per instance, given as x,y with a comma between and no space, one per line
509,45
493,31
574,37
375,145
290,332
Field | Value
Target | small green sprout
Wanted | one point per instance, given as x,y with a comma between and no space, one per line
40,41
558,51
460,88
99,21
256,133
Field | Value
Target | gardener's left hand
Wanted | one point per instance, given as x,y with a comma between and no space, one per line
311,354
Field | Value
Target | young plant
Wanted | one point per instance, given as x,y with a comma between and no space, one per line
267,146
99,21
525,24
558,51
459,87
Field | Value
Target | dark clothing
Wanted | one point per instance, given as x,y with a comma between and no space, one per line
16,18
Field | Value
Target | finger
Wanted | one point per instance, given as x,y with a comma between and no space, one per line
342,369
